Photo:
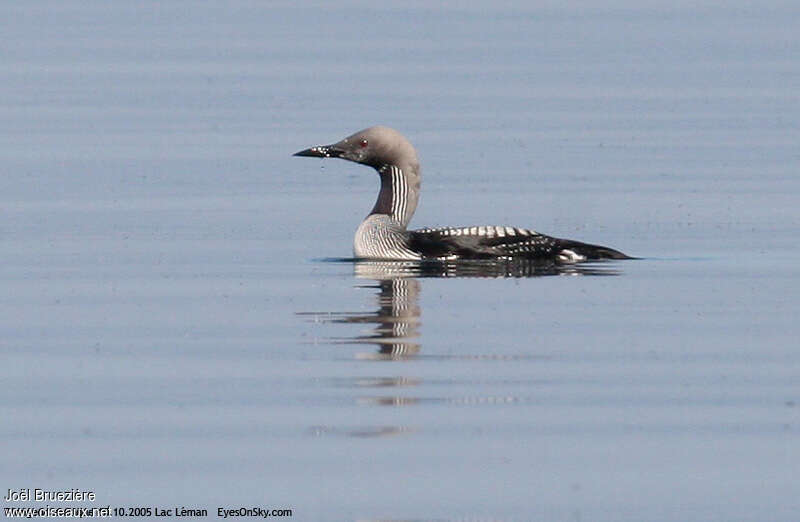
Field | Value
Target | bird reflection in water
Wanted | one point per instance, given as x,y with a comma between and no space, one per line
397,318
397,322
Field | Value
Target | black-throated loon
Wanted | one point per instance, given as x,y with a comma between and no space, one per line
383,234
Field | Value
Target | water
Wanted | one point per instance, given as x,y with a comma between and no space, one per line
173,335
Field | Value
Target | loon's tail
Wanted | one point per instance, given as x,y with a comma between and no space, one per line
591,252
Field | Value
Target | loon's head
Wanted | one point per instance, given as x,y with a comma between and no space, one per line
376,146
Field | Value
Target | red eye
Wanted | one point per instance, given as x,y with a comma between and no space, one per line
363,143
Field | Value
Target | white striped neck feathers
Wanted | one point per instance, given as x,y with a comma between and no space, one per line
399,193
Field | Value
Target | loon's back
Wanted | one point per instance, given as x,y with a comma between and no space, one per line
487,242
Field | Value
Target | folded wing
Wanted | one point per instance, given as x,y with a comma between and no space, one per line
487,242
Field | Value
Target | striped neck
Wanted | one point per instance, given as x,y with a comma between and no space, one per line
399,194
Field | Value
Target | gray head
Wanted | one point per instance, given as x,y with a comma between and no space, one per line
376,146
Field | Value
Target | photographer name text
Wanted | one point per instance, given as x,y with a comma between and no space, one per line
44,495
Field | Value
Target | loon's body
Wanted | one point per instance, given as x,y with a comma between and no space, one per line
384,233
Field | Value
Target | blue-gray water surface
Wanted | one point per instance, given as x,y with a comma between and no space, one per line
174,332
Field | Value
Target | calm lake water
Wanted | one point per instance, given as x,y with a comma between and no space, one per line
175,331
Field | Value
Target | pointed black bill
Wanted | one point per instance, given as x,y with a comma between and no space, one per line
321,151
